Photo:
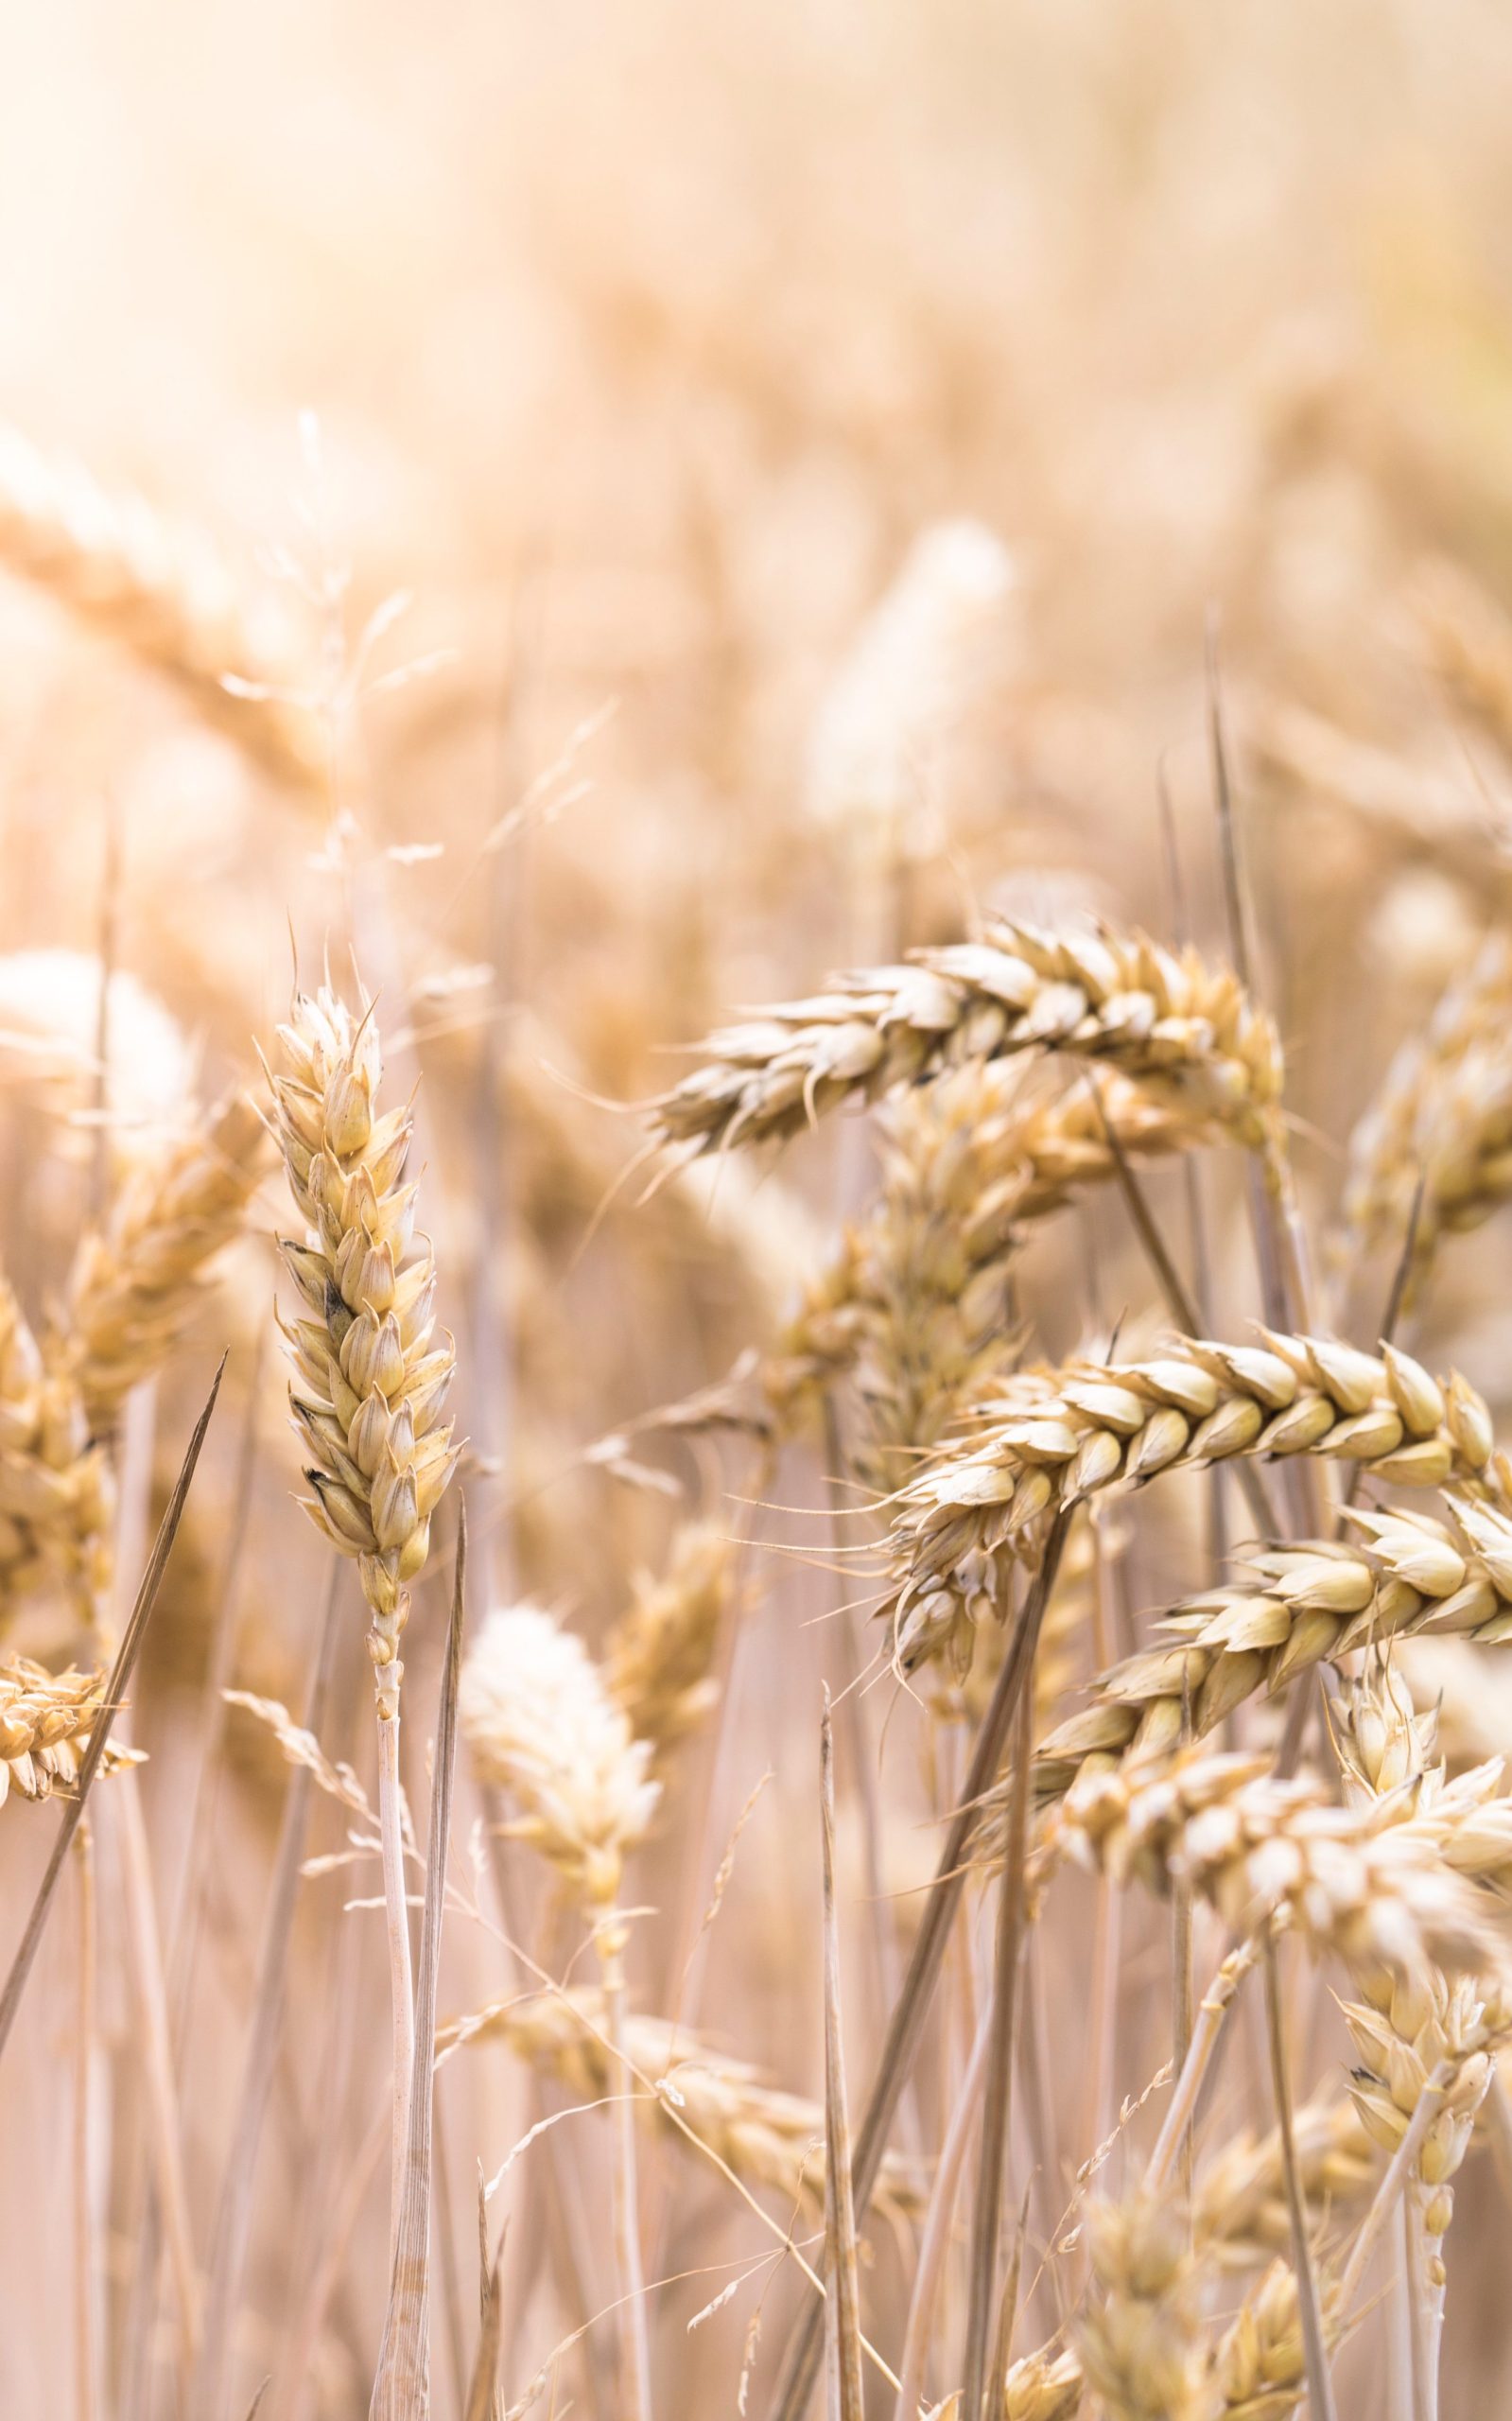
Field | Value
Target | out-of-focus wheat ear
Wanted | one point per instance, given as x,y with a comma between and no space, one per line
233,2214
843,2350
905,2022
400,2390
1320,2388
982,2303
94,1756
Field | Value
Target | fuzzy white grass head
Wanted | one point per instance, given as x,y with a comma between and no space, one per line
543,1728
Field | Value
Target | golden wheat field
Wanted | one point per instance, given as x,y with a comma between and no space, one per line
755,1105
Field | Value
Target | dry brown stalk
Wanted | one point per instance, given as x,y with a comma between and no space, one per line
162,587
1167,1019
1318,1599
1442,1119
136,1282
1052,1438
766,2137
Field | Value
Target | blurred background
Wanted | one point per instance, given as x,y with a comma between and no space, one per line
795,459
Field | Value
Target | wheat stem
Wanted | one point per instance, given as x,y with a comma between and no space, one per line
401,1972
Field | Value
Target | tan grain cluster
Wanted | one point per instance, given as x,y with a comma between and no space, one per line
46,1723
137,1280
1305,1603
659,1658
1380,1894
1052,1438
1166,1018
370,1384
57,1490
1140,2339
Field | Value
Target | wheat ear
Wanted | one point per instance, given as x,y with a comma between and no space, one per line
1050,1440
369,1388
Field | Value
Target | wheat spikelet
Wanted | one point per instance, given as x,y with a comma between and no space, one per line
766,2137
1140,2341
659,1656
1307,1603
369,1387
161,587
135,1284
1380,1895
1043,2387
1442,1120
543,1726
56,1494
1050,1439
1260,2369
46,1723
1169,1019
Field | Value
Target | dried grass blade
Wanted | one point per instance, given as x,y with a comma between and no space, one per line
234,2217
998,2109
120,1676
400,2390
843,2351
485,2400
906,2024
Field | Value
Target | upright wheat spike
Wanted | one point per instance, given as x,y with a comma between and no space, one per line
136,1280
368,1390
1307,1603
1169,1019
1052,1438
1260,2369
1442,1120
163,588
